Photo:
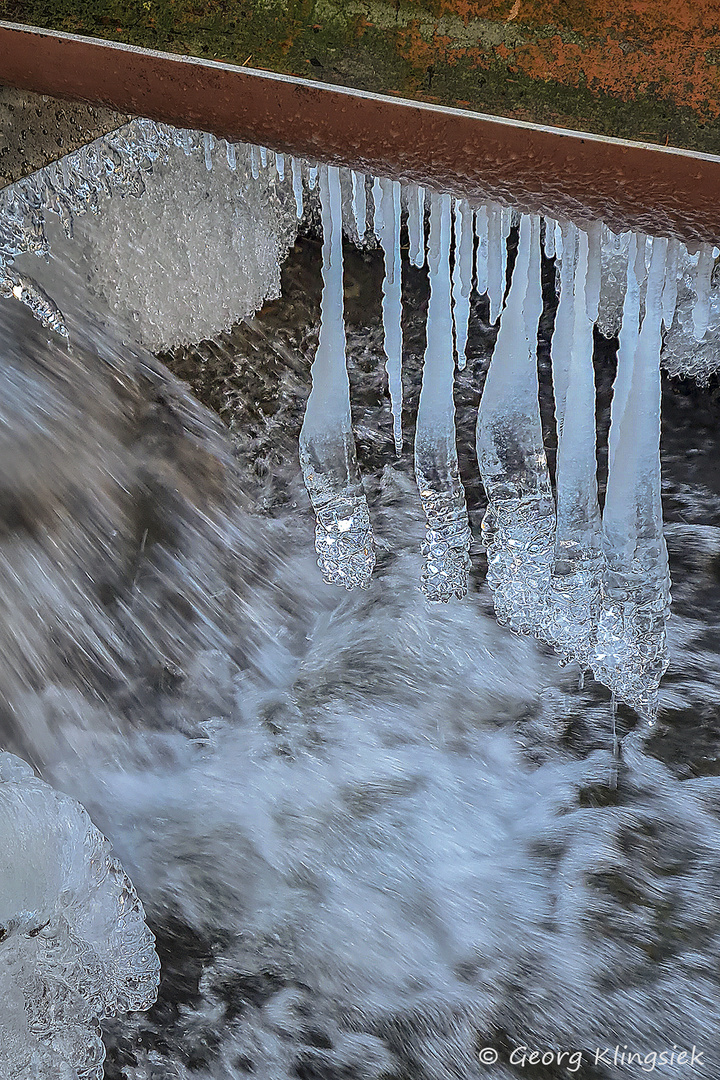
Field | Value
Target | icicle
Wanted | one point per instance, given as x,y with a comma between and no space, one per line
631,651
416,224
549,238
497,255
562,339
312,176
592,285
280,166
481,251
263,156
447,537
386,196
628,340
519,525
359,203
669,296
208,145
701,310
462,276
343,537
297,183
28,292
230,155
573,599
254,162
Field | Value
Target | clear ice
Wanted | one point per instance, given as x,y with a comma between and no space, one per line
573,598
415,196
74,946
386,196
631,650
519,524
462,275
447,538
343,537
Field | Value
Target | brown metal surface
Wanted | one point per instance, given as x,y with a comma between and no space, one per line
537,168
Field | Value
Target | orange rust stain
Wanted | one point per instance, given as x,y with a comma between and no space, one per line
626,49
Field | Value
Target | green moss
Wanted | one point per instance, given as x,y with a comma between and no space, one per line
370,47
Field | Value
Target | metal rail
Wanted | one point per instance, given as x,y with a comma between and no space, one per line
542,169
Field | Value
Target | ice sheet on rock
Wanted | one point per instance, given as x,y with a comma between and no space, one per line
343,537
631,650
74,947
415,199
462,275
386,198
173,295
447,539
519,524
573,598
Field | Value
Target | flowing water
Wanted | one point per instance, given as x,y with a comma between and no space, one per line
376,838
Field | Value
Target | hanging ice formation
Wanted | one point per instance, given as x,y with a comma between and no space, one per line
74,947
447,538
386,197
595,594
519,524
343,538
573,598
631,651
462,275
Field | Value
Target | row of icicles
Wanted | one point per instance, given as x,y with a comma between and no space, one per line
596,588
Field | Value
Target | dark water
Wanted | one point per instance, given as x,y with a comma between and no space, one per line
373,837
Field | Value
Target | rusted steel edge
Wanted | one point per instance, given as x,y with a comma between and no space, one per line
663,191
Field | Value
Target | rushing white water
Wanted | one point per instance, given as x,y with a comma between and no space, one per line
447,538
631,651
74,947
519,524
386,196
462,275
343,537
373,834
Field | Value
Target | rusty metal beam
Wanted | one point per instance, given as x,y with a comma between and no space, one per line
543,169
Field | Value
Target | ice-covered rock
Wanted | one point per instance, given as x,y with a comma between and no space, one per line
74,946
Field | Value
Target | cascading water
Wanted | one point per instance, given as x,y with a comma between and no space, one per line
374,835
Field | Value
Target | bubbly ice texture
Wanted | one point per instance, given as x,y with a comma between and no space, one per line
684,353
519,524
631,650
387,221
447,539
74,947
575,582
144,255
343,536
